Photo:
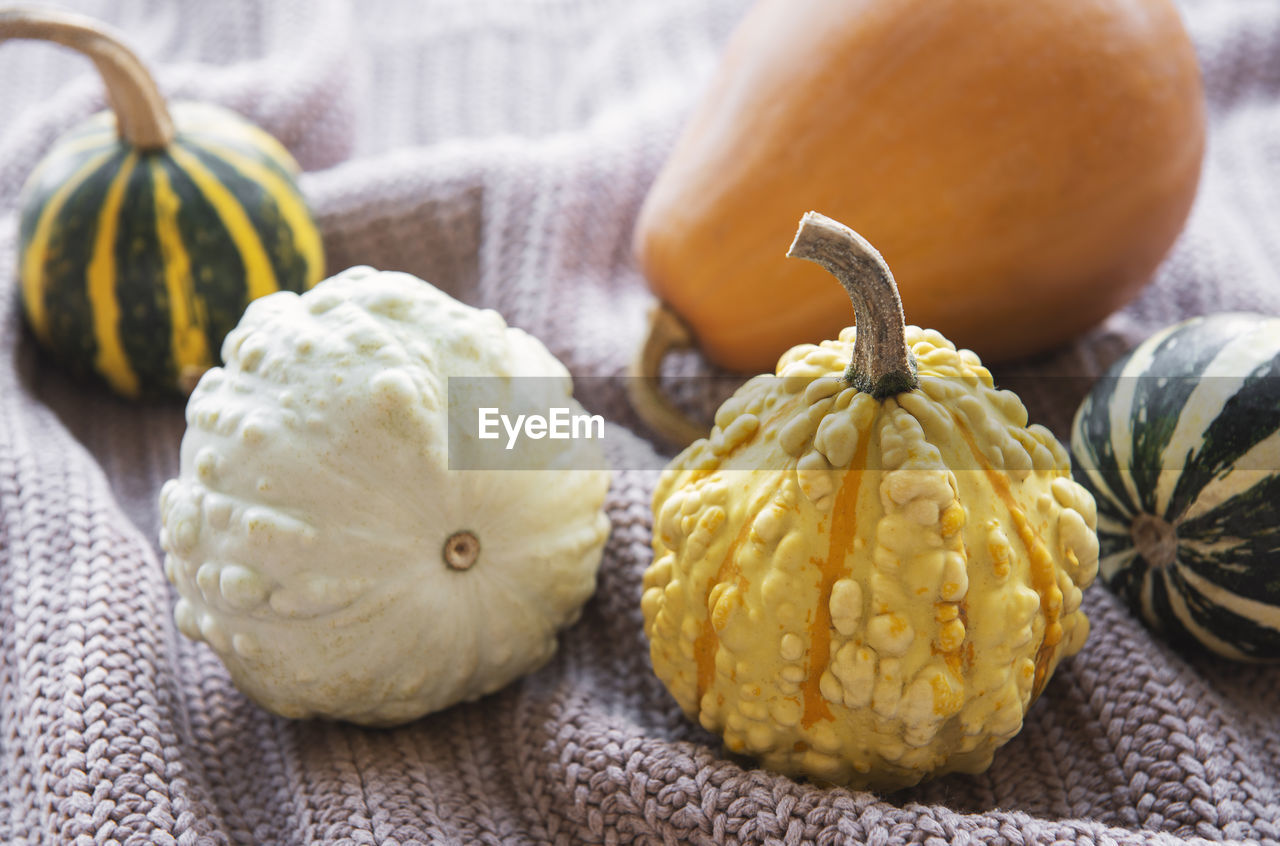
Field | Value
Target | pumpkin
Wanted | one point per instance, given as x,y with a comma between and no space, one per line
1178,444
145,232
873,565
323,540
1022,166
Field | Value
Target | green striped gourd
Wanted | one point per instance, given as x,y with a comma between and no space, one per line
146,232
1180,445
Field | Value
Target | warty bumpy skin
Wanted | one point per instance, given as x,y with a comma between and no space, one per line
305,530
868,592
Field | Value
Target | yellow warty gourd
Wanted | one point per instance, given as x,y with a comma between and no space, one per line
870,569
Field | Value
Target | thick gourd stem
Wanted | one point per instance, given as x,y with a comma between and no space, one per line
882,363
141,115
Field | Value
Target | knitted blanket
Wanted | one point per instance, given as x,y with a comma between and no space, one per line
501,150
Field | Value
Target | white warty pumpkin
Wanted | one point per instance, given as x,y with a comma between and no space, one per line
319,540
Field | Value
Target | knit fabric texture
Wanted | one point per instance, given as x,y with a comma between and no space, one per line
501,149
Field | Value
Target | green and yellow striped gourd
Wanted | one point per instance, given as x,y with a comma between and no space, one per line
145,233
1179,443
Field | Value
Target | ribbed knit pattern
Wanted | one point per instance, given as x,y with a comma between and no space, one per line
501,149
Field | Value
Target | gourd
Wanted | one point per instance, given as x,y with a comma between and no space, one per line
1022,166
1179,445
873,565
145,231
323,534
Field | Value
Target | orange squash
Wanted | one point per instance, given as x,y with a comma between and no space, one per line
1024,167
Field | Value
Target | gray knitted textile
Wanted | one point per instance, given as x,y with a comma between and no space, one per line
501,148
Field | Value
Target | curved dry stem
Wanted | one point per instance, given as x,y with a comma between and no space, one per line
882,363
141,115
666,333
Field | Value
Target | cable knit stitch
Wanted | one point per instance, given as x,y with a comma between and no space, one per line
501,149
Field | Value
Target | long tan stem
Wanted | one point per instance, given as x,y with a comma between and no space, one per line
665,334
882,363
141,115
